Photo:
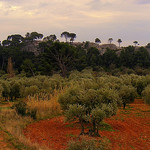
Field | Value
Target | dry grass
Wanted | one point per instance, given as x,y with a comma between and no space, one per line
13,124
47,106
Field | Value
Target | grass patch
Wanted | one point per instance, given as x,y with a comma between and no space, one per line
128,107
70,125
132,147
85,143
138,114
4,108
71,135
13,124
14,141
105,127
119,118
126,112
146,111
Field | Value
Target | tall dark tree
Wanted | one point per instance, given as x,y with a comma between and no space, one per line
135,42
5,43
142,57
97,40
51,38
65,34
13,40
110,40
72,37
28,67
119,42
33,36
109,57
63,56
127,57
148,45
93,57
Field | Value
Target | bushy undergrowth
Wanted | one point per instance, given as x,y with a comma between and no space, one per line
88,144
13,124
41,95
25,112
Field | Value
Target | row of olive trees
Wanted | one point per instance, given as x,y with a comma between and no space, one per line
14,88
125,85
92,99
87,98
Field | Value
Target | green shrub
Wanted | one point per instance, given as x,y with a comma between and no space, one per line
32,113
146,95
127,94
21,108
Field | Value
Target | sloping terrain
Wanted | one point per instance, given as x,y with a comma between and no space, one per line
4,144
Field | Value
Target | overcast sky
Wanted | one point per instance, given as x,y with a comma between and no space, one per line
125,19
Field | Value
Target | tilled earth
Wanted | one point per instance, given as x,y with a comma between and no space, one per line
130,130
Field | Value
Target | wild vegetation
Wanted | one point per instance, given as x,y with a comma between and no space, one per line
86,96
76,81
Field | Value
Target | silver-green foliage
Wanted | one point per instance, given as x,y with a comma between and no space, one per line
89,102
127,93
23,87
146,94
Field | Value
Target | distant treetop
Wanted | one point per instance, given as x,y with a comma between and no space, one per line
97,40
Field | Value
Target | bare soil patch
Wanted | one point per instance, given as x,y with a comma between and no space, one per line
130,130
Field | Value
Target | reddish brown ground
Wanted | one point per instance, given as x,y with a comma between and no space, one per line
131,130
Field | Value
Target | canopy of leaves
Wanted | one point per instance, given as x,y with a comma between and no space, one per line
146,94
89,102
97,40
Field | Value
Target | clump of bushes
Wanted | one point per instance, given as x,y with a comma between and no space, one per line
23,110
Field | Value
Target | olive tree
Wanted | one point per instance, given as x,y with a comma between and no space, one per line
146,94
6,90
89,104
127,93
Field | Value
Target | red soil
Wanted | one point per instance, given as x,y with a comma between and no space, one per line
131,130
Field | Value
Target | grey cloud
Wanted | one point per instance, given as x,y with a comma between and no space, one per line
96,4
12,1
143,1
43,5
